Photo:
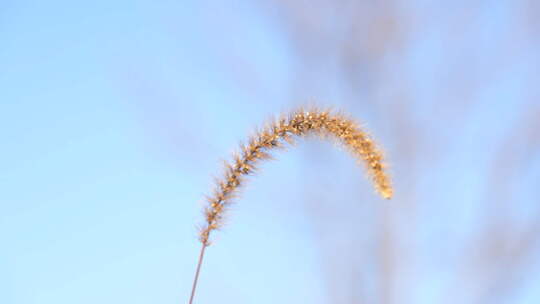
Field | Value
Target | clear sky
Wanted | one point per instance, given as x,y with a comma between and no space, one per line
114,116
93,207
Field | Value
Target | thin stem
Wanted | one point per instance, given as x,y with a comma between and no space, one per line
201,256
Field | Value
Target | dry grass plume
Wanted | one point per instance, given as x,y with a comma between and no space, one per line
278,133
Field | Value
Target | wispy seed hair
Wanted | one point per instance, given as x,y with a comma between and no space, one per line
281,131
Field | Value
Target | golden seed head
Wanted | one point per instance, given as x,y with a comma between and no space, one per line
298,123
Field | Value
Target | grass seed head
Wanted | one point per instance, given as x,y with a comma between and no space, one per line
277,134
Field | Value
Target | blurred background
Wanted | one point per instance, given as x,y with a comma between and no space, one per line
116,115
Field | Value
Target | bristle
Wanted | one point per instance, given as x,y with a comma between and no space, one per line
277,134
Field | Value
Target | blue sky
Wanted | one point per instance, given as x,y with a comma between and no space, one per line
94,208
114,117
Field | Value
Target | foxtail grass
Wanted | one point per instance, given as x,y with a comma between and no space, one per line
279,133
